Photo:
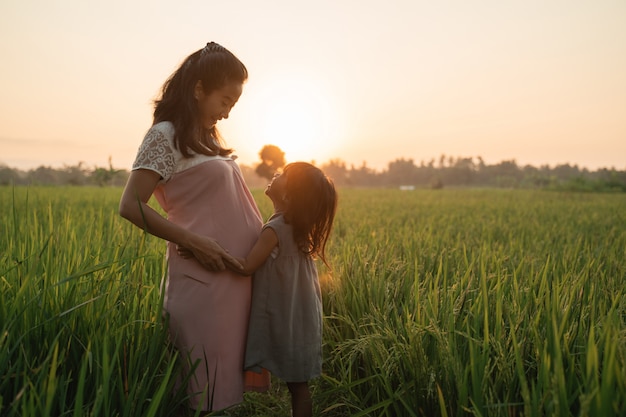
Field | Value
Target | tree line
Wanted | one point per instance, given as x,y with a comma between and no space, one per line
456,172
447,171
474,172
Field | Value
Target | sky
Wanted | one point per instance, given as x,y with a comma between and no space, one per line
362,81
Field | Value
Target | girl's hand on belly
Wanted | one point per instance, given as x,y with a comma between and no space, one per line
210,254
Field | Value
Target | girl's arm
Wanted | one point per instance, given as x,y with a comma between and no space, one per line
259,252
134,207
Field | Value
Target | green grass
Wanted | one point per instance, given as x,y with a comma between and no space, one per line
449,302
478,302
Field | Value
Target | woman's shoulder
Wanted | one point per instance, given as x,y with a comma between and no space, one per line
157,151
161,133
165,128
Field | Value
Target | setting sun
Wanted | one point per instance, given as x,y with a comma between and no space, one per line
531,81
296,113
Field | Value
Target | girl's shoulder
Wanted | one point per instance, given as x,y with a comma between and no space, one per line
276,219
277,223
282,229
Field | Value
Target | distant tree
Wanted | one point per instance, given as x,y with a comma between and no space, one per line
8,176
533,178
111,176
337,171
272,159
362,176
44,176
612,179
425,172
442,161
401,172
462,172
506,174
566,171
73,174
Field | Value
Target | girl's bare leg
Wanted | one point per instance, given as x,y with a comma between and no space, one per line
301,403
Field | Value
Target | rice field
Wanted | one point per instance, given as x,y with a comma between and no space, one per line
467,302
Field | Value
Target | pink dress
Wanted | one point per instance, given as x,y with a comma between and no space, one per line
208,311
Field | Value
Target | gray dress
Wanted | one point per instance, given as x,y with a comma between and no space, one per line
285,330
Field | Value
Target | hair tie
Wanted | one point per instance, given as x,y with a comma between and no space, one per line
212,47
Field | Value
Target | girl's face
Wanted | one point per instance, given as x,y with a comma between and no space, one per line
217,104
276,188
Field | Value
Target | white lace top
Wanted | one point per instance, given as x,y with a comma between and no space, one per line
158,153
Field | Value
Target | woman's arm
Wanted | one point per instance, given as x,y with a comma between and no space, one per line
134,207
259,252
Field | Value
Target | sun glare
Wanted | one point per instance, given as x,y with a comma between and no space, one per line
299,116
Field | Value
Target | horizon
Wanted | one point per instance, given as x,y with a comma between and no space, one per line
349,166
538,83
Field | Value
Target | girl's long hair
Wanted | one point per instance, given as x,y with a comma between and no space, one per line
312,203
214,66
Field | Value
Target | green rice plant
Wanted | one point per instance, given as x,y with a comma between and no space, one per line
489,295
79,317
439,302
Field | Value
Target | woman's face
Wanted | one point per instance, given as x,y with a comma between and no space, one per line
217,104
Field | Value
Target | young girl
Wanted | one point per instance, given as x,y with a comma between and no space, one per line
285,330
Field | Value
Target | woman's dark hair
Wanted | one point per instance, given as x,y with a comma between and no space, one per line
214,66
312,203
